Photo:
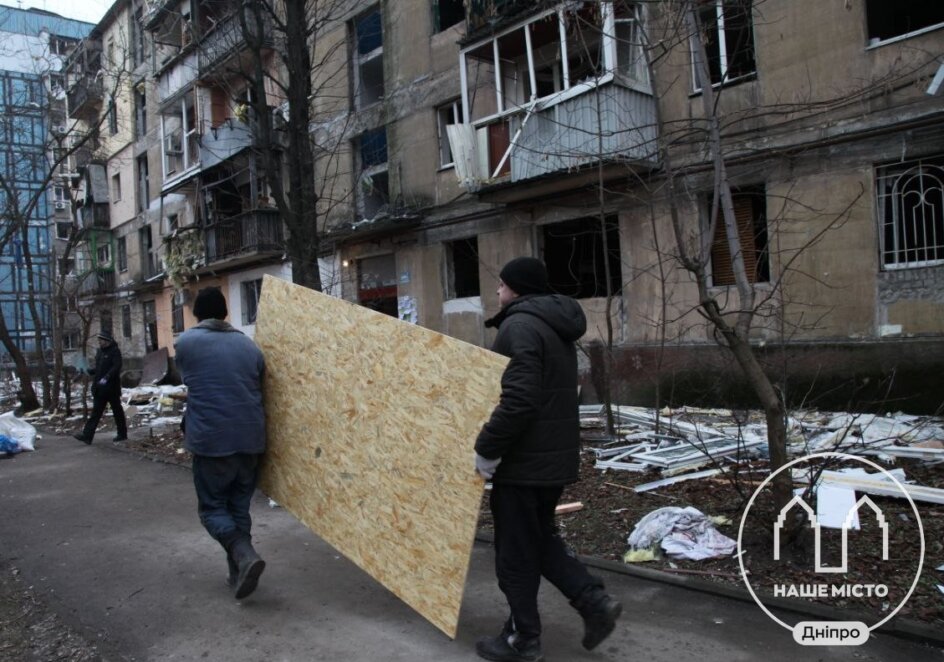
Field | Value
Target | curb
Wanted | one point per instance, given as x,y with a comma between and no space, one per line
898,627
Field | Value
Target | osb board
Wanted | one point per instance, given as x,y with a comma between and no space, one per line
371,428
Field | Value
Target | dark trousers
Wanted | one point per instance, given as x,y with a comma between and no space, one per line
100,398
224,491
528,547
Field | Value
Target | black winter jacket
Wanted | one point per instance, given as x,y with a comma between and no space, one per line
535,428
108,367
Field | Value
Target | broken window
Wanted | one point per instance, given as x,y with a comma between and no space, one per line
447,13
126,320
112,117
446,115
377,284
462,268
750,214
368,58
144,188
180,136
728,35
887,20
177,312
251,291
116,187
630,56
577,254
140,111
122,250
373,188
556,50
149,313
911,213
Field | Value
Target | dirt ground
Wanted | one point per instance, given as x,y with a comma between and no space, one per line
29,631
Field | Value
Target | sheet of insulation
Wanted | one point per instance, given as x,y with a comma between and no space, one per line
371,424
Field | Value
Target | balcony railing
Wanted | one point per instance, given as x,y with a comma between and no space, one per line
607,124
97,282
250,233
95,216
226,40
85,97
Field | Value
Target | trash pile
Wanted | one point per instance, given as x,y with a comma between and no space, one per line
160,408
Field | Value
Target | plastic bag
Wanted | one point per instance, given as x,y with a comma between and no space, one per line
20,431
8,446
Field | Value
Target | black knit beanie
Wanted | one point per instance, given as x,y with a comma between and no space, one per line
525,275
210,304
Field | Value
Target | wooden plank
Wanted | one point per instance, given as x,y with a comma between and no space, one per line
371,424
565,508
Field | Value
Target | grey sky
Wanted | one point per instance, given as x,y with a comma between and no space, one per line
83,10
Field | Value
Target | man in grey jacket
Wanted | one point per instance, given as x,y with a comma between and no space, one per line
225,430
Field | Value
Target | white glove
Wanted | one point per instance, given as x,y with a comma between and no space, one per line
485,467
102,381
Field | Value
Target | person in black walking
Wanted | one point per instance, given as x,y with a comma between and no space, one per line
106,389
529,448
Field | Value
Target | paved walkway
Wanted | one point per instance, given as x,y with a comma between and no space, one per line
112,543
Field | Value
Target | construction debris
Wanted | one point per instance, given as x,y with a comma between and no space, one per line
677,441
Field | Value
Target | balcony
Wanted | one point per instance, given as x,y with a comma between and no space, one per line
252,234
83,70
563,87
95,216
97,282
178,75
85,98
225,42
609,124
223,142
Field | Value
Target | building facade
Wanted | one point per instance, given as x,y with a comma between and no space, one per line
34,198
556,129
452,136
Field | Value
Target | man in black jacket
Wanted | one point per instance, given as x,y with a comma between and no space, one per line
530,449
106,389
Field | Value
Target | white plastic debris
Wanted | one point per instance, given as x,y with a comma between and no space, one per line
683,533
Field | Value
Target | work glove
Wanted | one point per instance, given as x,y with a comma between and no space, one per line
485,467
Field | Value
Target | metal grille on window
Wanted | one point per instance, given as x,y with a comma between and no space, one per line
911,213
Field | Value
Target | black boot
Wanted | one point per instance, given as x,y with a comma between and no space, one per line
233,571
510,647
599,612
84,438
249,565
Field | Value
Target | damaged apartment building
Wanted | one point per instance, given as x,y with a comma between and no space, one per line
172,198
452,136
479,133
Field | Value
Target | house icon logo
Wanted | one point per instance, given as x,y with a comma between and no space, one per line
848,523
839,504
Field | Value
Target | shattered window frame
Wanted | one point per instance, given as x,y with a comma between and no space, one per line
887,22
724,21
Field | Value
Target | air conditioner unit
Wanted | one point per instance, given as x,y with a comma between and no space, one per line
60,204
